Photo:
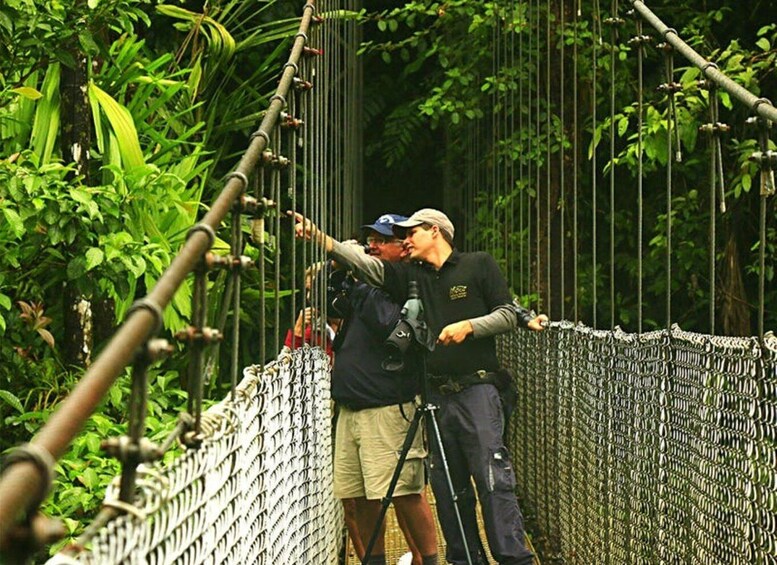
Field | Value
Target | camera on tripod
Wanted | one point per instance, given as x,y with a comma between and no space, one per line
411,329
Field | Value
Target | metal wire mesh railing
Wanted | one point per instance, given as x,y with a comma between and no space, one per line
647,448
257,490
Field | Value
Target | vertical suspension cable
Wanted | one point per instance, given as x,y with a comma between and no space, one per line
669,64
292,189
548,167
531,141
562,165
762,262
236,274
766,161
575,153
511,185
538,172
520,186
613,58
327,145
259,236
275,175
594,73
640,167
712,92
493,171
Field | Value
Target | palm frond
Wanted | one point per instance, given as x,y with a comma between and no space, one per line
120,125
46,123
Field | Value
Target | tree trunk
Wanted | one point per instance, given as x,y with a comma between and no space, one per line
75,140
734,308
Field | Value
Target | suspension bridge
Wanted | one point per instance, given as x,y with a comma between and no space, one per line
650,446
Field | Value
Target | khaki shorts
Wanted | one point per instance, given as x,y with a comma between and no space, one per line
367,447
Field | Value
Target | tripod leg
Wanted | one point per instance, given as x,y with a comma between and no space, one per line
432,423
386,502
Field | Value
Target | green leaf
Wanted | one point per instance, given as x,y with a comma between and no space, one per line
93,443
747,182
121,125
88,43
94,257
764,44
623,125
5,302
12,401
47,113
28,92
89,478
116,397
15,221
76,268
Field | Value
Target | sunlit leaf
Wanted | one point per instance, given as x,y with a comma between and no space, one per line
12,401
122,126
94,257
28,92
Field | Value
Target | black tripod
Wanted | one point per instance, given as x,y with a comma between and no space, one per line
426,408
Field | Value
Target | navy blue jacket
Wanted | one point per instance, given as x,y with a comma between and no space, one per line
358,380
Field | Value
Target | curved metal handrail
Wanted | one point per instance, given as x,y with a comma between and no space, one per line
22,483
760,106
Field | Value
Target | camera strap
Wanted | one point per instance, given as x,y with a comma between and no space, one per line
340,335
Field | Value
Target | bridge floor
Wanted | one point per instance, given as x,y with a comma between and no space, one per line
396,546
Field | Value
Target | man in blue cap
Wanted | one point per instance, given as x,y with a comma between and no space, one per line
375,410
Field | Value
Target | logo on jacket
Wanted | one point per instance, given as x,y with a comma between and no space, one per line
457,292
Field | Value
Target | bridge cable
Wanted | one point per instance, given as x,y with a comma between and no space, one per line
548,130
259,238
276,192
767,161
538,172
561,160
577,13
714,129
640,41
670,88
512,184
533,145
518,184
597,40
492,173
613,21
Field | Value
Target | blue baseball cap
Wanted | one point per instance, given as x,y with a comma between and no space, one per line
384,225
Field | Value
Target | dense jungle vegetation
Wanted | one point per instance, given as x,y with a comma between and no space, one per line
118,119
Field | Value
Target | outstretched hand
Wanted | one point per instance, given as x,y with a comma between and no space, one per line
539,323
304,228
307,230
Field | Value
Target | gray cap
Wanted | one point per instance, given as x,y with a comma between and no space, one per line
428,216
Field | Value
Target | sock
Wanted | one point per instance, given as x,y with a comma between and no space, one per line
430,559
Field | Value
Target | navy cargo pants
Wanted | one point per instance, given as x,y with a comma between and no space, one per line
471,428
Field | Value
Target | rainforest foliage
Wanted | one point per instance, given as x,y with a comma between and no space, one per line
118,119
505,80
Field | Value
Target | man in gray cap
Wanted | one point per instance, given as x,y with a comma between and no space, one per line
467,303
